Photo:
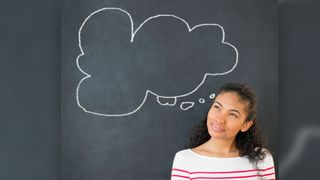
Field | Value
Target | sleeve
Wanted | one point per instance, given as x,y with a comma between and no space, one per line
179,168
268,169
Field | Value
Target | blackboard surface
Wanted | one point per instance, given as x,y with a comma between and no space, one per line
137,76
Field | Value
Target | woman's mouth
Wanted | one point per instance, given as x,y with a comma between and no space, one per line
217,128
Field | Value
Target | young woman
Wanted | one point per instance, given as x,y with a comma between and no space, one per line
227,145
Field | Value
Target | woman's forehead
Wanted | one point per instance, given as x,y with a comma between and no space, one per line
231,100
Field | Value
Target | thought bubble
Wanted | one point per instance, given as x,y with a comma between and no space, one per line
201,100
186,105
212,96
163,56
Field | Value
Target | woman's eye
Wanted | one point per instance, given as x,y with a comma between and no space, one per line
234,115
216,107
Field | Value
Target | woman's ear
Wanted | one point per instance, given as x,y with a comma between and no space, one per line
246,126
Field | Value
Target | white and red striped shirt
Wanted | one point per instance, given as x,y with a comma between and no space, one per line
191,165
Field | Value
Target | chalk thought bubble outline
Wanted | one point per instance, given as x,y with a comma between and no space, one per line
133,32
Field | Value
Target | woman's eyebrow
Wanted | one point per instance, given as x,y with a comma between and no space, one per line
230,110
235,111
218,103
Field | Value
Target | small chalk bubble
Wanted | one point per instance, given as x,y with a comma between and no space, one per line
201,100
166,101
186,105
212,96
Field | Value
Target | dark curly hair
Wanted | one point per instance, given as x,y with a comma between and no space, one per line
248,143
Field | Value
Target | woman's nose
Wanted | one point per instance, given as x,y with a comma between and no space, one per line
220,118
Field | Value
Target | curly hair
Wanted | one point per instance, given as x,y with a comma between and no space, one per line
248,143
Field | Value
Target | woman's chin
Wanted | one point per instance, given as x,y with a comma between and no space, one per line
215,134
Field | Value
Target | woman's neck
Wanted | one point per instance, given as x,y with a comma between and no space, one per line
222,147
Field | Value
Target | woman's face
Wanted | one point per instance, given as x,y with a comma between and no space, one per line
227,116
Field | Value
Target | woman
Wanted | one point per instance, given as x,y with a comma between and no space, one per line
227,145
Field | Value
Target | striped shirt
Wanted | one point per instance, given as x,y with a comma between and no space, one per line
188,164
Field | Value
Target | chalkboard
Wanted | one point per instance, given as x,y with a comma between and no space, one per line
137,76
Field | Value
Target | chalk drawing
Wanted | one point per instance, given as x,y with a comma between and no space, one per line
133,32
201,100
186,105
300,144
212,96
167,103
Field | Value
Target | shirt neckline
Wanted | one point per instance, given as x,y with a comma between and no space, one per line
212,157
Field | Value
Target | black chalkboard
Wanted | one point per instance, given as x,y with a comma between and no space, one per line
137,76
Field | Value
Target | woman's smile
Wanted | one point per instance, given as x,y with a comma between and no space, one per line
217,128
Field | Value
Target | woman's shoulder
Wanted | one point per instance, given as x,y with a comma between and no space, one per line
183,152
180,159
268,159
266,151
